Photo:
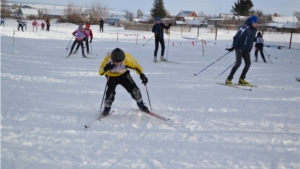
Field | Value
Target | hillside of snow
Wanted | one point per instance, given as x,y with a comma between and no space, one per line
47,99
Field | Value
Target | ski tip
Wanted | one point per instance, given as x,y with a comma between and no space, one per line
86,126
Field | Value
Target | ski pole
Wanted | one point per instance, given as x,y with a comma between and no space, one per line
168,44
211,64
91,48
69,43
150,39
267,56
148,96
225,70
104,93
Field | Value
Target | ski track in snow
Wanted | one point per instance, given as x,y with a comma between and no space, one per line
46,100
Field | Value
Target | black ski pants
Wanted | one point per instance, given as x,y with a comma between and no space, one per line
261,54
20,25
162,43
79,42
48,27
86,40
239,54
101,28
127,82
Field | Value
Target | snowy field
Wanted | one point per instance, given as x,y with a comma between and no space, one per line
46,100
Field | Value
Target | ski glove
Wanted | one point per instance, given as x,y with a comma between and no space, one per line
230,49
144,79
73,34
91,41
109,66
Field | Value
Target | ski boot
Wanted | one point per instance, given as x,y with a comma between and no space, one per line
84,56
244,82
106,111
228,82
155,59
75,52
142,106
162,58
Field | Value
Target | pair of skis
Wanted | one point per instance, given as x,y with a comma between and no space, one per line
243,87
137,110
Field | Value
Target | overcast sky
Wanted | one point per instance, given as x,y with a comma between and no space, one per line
208,7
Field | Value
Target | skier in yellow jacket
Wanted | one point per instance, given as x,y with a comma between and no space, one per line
115,67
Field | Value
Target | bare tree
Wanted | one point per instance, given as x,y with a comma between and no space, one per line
139,14
201,14
297,15
4,12
42,12
73,13
129,15
99,10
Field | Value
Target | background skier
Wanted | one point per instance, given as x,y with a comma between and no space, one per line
259,45
80,35
158,30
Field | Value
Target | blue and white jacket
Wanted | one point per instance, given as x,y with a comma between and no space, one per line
244,38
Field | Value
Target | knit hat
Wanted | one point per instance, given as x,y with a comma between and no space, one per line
259,33
253,19
117,55
87,26
80,27
157,18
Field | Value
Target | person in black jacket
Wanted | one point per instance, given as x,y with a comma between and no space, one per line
20,24
101,22
242,44
158,30
259,45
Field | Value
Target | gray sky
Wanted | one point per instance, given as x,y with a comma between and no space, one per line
208,7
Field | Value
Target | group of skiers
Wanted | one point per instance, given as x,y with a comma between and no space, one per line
115,65
23,24
82,35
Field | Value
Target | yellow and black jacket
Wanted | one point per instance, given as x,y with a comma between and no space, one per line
128,62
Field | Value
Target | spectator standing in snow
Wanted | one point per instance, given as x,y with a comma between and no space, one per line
20,24
259,46
80,35
158,30
48,24
115,67
35,25
89,33
101,22
42,26
242,44
2,21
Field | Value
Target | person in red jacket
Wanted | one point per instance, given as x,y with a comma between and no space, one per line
80,35
43,26
35,25
89,33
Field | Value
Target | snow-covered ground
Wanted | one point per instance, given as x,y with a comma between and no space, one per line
46,100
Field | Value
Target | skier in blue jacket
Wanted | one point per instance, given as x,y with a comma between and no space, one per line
242,44
158,30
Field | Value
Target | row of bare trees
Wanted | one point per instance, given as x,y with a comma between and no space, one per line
75,14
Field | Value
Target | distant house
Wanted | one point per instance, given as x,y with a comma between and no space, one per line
25,12
55,13
282,22
183,15
116,20
189,18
